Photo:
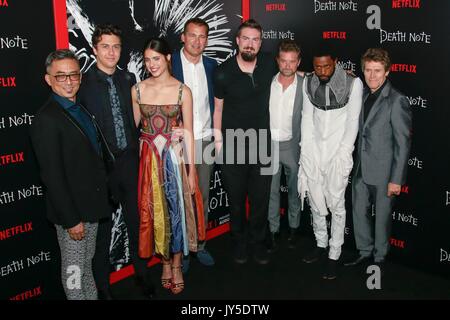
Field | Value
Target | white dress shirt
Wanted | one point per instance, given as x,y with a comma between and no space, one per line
281,107
195,78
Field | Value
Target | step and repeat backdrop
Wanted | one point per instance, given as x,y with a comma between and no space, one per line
29,254
414,32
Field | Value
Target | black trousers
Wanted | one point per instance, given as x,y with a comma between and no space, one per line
123,184
241,180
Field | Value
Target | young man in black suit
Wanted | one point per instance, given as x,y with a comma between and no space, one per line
106,93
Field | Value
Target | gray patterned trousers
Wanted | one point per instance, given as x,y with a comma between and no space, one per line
76,263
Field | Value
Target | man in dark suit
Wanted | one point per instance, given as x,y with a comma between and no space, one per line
382,159
69,151
196,70
106,93
285,106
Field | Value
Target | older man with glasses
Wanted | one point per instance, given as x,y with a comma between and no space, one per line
71,151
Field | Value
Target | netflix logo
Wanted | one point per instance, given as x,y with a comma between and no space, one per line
397,243
16,230
35,292
405,189
400,67
11,158
275,7
341,35
398,4
6,82
4,3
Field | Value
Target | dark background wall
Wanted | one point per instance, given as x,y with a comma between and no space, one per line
29,257
29,253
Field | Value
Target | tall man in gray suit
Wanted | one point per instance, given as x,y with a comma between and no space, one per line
285,106
382,158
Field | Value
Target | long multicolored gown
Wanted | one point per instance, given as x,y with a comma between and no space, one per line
171,219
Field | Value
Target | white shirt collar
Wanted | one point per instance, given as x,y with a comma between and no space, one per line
275,79
185,60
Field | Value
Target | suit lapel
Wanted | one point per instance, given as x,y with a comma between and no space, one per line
378,105
73,122
297,100
177,67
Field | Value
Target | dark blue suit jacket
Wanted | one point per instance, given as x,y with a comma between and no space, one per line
209,64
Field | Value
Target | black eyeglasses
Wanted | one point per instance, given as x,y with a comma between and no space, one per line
63,77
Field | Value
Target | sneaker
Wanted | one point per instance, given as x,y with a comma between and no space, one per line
292,239
261,255
240,254
330,270
315,255
273,242
205,258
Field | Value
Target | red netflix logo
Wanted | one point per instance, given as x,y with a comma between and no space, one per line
397,4
11,158
397,243
405,189
3,3
341,35
13,231
401,67
28,294
275,7
7,81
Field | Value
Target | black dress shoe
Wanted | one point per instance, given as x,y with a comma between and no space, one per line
315,255
381,264
105,294
273,242
240,254
330,270
292,239
359,260
261,255
146,286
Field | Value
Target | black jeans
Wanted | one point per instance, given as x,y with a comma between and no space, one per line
123,183
241,180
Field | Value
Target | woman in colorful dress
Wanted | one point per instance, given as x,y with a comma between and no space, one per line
169,200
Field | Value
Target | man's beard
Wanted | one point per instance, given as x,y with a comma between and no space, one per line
248,56
324,81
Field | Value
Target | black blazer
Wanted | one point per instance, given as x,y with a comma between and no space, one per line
72,171
93,94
